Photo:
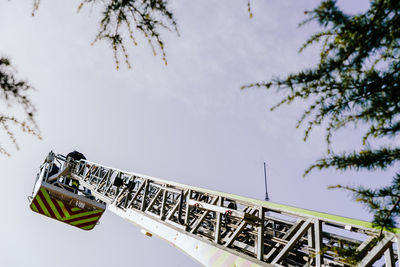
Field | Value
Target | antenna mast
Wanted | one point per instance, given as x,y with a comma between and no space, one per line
265,180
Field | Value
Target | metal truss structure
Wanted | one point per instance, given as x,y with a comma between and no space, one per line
220,229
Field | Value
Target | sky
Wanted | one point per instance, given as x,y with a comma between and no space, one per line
187,122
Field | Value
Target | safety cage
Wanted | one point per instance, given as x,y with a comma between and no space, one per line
59,196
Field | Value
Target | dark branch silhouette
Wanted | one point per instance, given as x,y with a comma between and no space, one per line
122,19
14,92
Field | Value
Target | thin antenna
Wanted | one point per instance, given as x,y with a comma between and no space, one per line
265,180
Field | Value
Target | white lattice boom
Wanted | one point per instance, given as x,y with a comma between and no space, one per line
220,229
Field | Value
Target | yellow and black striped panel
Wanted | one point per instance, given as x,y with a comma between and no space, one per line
45,204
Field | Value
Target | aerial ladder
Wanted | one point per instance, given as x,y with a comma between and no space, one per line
214,228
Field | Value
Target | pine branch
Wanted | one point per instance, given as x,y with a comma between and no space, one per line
365,159
383,202
15,92
122,17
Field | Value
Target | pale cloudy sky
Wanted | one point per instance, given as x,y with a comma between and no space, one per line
188,121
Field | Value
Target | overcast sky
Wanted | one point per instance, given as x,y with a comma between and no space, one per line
188,122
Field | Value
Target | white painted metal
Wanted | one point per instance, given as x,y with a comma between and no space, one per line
220,229
203,251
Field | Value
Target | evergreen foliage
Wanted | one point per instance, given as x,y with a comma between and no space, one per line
120,18
14,91
356,82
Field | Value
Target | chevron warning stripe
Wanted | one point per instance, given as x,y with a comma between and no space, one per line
45,204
